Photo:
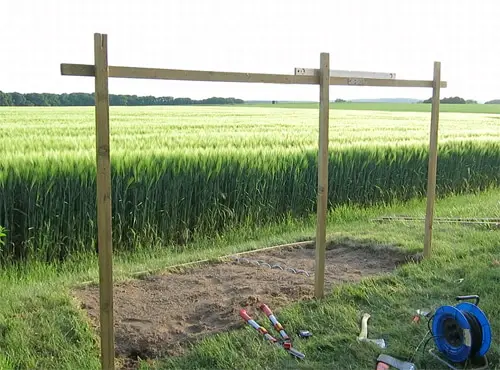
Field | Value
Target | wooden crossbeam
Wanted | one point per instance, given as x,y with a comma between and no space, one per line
345,73
88,70
376,82
189,75
364,78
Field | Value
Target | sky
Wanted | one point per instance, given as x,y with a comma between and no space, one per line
264,36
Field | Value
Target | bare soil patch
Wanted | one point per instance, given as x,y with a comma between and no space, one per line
158,315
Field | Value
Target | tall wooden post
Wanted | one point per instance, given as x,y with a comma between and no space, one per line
324,115
432,169
104,202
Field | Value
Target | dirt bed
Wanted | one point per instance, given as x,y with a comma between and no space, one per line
157,315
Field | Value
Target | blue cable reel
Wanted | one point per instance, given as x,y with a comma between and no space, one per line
461,333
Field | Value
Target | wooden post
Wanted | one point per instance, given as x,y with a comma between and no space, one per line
324,112
104,202
432,169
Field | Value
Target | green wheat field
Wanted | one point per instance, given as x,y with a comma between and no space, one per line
182,172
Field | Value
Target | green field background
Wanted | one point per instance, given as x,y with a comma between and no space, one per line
179,173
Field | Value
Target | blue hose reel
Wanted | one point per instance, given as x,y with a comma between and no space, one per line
461,333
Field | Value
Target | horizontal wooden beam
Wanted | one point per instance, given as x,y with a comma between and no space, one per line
361,78
88,70
189,75
357,81
344,73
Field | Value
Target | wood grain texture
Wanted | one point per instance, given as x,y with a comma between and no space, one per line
189,75
322,196
432,167
345,73
104,202
87,70
344,81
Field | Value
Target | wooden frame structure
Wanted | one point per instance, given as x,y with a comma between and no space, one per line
324,77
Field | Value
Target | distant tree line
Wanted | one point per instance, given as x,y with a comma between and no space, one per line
458,100
453,100
85,99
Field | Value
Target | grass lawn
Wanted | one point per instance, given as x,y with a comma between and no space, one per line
392,107
41,327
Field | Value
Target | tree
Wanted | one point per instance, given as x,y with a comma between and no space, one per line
495,101
85,99
36,99
451,100
118,100
5,99
18,99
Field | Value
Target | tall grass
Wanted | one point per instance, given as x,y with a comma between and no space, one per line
178,177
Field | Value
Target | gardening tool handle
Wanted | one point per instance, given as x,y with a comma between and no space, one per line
266,309
244,315
466,297
364,327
